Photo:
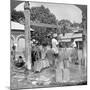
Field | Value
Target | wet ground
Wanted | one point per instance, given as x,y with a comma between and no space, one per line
46,78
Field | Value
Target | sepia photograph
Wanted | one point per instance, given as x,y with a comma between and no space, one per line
48,44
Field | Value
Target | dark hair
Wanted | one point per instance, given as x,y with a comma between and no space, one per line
20,57
72,39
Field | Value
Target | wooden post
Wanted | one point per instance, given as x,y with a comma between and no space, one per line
85,45
85,40
27,35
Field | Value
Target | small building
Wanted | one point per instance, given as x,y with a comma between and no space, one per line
76,35
18,36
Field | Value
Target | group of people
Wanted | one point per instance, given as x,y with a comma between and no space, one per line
42,52
48,55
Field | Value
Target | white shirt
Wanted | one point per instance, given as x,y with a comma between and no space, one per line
74,44
54,45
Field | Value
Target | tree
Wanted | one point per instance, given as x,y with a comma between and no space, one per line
75,24
42,15
64,24
39,15
17,16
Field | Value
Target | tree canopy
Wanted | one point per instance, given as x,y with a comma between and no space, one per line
64,24
40,15
17,16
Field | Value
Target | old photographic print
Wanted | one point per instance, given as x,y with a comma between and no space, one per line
48,45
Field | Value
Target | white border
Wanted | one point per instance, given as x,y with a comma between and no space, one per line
5,44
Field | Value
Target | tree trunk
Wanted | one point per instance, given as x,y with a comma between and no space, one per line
27,35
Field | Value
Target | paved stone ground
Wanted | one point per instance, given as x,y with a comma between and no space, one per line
78,76
46,78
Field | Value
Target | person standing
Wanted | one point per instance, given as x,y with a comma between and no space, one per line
55,48
73,43
74,50
55,44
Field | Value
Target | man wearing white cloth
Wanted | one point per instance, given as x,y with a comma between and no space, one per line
54,44
55,48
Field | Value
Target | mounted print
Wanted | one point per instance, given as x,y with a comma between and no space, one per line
48,45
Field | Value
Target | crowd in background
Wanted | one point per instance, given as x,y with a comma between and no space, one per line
48,53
